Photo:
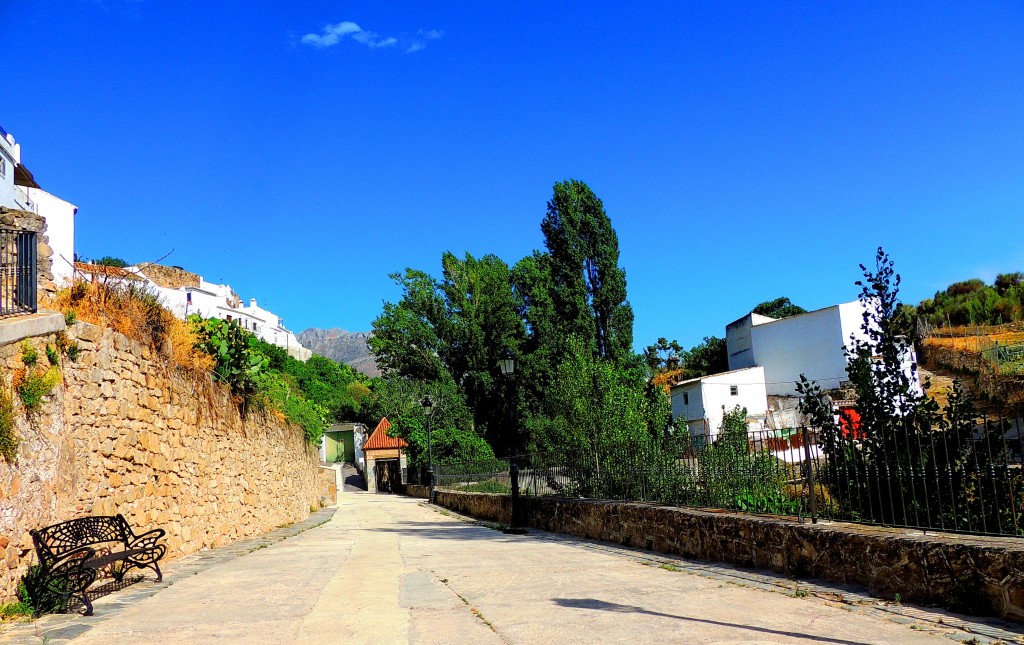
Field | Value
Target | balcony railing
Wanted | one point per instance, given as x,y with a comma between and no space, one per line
22,199
18,279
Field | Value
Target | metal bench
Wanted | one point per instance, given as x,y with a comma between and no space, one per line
68,554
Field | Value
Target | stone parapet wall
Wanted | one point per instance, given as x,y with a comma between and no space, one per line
416,490
126,433
971,574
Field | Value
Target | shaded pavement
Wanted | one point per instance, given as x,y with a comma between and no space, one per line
392,570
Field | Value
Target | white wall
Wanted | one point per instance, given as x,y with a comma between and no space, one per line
60,230
686,402
716,393
809,344
738,340
710,394
7,153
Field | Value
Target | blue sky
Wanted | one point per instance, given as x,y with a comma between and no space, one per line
743,151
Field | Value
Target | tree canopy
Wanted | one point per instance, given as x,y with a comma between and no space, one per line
562,311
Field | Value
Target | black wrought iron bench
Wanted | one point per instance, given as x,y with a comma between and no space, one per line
70,553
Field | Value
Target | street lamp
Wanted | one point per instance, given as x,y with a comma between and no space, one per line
507,365
428,410
507,362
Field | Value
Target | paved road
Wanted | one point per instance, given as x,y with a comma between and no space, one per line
389,570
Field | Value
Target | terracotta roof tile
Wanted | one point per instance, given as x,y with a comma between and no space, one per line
380,438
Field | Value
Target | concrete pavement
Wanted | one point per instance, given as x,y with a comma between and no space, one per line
390,570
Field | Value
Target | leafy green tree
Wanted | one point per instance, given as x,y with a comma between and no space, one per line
399,399
110,261
663,355
589,287
779,308
405,339
481,321
709,357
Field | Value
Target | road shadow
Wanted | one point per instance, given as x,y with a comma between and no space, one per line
602,605
446,531
352,481
98,591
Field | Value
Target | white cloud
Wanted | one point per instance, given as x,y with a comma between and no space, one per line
333,34
419,41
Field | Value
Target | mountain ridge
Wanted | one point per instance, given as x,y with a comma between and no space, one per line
344,346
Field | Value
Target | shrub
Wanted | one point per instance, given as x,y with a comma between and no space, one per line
9,439
52,356
70,317
29,354
35,385
35,594
238,361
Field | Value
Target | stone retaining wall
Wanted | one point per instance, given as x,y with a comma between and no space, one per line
417,490
126,433
964,573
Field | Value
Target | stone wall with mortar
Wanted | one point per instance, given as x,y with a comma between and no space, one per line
126,433
970,574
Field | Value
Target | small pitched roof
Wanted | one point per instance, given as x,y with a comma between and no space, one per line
106,271
380,438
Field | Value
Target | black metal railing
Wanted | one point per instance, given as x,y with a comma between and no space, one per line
939,479
18,278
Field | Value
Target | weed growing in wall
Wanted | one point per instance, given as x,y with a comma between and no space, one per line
29,354
34,383
52,355
8,437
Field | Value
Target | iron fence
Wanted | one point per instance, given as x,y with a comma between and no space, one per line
17,272
968,480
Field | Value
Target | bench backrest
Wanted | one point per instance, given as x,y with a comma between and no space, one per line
60,538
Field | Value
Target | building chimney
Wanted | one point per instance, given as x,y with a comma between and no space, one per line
252,302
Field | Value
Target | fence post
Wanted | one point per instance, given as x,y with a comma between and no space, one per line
810,476
514,476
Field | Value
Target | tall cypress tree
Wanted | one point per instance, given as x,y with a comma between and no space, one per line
589,285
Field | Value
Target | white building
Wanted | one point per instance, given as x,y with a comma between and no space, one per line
702,402
811,344
211,300
18,189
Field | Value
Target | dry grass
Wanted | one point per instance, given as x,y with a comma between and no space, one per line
976,342
138,314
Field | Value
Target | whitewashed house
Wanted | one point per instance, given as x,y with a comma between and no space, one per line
700,403
18,189
811,344
211,300
766,358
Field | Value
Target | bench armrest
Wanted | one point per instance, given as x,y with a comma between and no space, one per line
146,540
73,559
69,574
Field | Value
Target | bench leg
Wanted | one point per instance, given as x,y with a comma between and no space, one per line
159,575
88,605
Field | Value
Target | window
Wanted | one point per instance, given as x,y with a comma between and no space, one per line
3,168
686,398
734,390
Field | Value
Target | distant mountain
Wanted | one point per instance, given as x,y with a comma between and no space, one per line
347,347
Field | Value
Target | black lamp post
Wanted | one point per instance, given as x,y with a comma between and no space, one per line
428,410
507,365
